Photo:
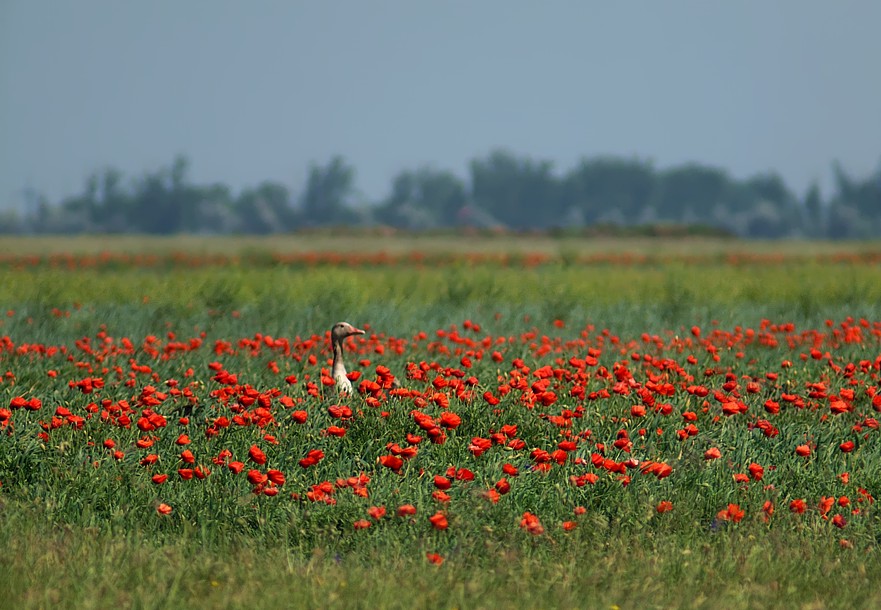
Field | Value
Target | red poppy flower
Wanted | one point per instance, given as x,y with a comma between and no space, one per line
502,486
463,474
339,411
440,496
405,510
567,445
255,477
479,446
531,524
256,455
391,462
312,457
756,471
732,513
438,521
712,454
276,476
450,420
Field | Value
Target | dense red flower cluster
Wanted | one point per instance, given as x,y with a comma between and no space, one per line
511,409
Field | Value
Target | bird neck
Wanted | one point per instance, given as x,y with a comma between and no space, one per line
339,367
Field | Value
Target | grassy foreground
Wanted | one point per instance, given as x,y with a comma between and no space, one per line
80,527
48,567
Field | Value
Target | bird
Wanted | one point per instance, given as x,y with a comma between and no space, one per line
339,333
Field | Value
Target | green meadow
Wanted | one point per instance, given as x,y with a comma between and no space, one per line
796,324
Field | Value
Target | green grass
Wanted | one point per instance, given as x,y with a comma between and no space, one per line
75,568
77,535
281,294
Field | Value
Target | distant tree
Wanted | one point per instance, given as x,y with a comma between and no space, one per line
505,189
78,213
183,199
774,210
10,223
421,198
813,205
767,221
771,187
149,209
163,202
855,210
116,202
216,213
401,196
41,217
690,190
521,192
844,221
603,187
442,192
266,209
328,193
845,186
863,195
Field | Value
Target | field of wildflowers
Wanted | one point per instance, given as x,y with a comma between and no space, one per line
527,430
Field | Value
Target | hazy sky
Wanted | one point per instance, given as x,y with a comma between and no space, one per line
257,90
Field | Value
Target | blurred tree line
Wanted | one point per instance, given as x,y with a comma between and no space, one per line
503,190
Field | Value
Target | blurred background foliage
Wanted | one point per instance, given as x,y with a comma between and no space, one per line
503,191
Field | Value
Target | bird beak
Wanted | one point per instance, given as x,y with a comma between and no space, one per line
357,331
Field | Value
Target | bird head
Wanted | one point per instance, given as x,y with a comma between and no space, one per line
341,330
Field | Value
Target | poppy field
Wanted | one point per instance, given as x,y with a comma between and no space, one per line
673,431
